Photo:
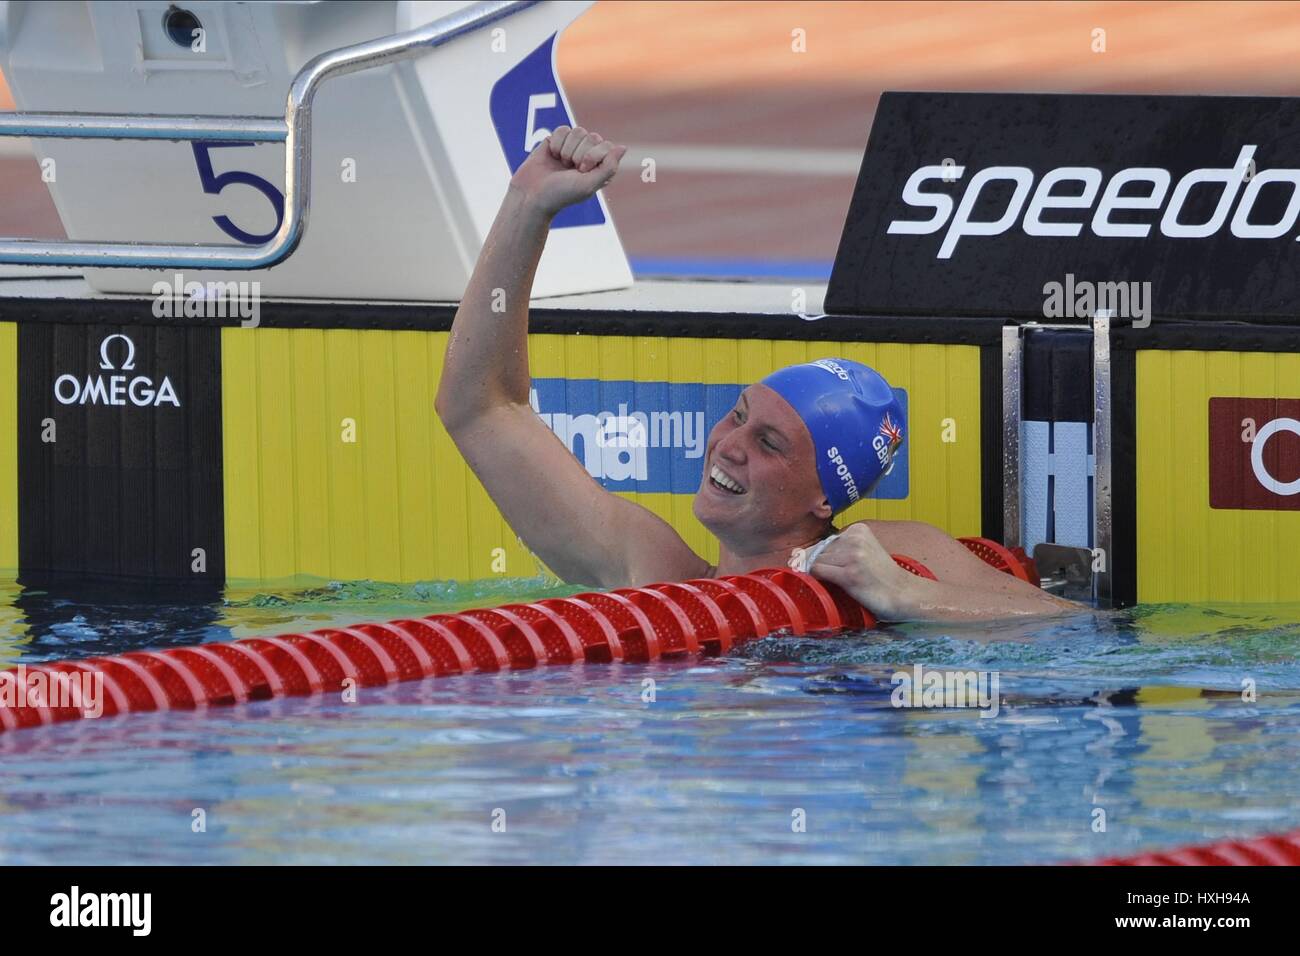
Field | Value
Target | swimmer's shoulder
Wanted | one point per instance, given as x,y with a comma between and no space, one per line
694,572
898,530
911,537
652,569
944,555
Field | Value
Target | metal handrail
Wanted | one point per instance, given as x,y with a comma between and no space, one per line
294,130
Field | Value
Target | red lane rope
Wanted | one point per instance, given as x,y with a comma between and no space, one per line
743,615
634,624
1012,561
1280,850
916,567
705,615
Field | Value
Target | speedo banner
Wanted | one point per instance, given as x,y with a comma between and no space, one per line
1059,206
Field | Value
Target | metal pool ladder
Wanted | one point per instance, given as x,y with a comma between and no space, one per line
294,130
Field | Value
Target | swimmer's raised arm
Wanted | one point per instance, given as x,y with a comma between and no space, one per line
584,533
487,353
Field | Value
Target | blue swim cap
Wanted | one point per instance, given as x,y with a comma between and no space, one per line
855,421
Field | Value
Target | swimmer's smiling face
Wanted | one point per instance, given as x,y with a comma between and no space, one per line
760,485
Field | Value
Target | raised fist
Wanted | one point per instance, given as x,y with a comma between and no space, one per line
566,168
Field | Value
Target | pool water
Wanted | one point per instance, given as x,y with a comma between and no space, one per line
789,750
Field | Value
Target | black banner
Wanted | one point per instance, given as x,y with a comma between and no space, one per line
119,451
333,906
1053,207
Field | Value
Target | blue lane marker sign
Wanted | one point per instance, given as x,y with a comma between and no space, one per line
526,104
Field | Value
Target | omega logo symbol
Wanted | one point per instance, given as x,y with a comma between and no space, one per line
138,390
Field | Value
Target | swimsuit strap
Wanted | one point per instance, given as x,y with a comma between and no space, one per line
801,559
